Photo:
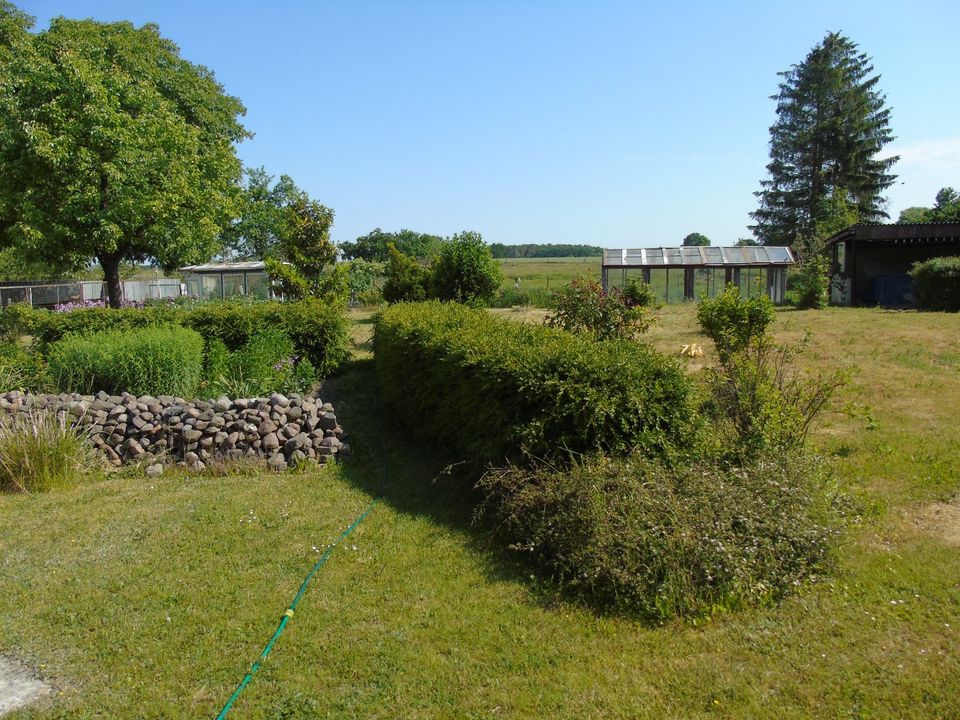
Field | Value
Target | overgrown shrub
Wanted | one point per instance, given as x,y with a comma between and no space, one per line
163,360
485,387
406,279
639,536
583,306
465,271
638,293
732,321
21,369
16,320
761,404
811,286
266,364
936,284
40,452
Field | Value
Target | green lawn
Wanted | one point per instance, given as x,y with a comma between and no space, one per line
149,598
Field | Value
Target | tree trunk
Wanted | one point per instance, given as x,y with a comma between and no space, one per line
111,273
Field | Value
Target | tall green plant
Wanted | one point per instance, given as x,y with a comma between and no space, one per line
39,452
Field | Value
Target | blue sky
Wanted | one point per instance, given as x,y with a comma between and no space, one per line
607,123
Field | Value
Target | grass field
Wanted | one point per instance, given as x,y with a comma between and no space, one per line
547,273
142,597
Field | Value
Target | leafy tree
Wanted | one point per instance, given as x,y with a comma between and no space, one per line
465,271
946,208
302,263
696,240
113,147
915,214
256,233
373,246
831,125
746,242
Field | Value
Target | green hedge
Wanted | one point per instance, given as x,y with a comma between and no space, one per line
486,387
936,283
318,330
165,360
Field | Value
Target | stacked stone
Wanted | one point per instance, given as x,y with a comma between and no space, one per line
286,430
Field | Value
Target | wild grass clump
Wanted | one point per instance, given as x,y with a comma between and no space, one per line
149,361
641,537
39,452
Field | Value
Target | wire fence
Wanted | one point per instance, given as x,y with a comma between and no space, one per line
49,295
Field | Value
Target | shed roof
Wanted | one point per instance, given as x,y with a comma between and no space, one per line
708,256
899,233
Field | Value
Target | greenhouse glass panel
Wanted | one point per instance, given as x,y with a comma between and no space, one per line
210,287
258,286
232,285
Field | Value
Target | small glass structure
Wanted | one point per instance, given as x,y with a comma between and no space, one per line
692,273
227,279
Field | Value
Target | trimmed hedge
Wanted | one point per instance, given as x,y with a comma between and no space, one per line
148,361
318,330
936,283
488,387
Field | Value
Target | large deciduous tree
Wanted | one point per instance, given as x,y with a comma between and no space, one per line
946,208
262,221
696,239
825,146
374,245
113,147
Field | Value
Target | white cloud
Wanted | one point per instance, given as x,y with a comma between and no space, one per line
924,167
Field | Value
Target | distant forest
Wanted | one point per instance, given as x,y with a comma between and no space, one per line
546,250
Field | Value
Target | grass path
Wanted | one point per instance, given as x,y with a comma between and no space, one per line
149,598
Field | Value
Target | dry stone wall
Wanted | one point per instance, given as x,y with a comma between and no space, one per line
284,429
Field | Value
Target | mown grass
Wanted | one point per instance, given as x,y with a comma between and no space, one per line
149,598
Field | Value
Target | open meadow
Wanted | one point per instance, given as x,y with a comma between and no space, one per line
150,597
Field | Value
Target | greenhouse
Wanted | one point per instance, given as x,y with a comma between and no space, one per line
692,273
226,279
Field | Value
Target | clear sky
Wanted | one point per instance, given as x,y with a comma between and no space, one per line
607,123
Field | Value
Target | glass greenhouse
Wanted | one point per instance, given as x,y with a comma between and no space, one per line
691,273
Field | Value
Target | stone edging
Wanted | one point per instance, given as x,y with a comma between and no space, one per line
286,430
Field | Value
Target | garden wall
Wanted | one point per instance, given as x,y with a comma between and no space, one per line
286,430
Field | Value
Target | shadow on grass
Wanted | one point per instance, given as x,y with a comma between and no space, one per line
415,477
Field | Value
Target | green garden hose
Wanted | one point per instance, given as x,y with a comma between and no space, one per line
288,613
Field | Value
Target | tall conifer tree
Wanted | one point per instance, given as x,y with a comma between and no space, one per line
831,125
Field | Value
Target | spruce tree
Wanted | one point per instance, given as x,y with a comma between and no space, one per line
831,125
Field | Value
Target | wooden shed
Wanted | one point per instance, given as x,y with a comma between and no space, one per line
871,261
691,273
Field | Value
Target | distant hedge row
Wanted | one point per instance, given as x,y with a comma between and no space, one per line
318,330
487,387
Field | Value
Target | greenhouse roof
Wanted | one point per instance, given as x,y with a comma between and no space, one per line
750,255
226,267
